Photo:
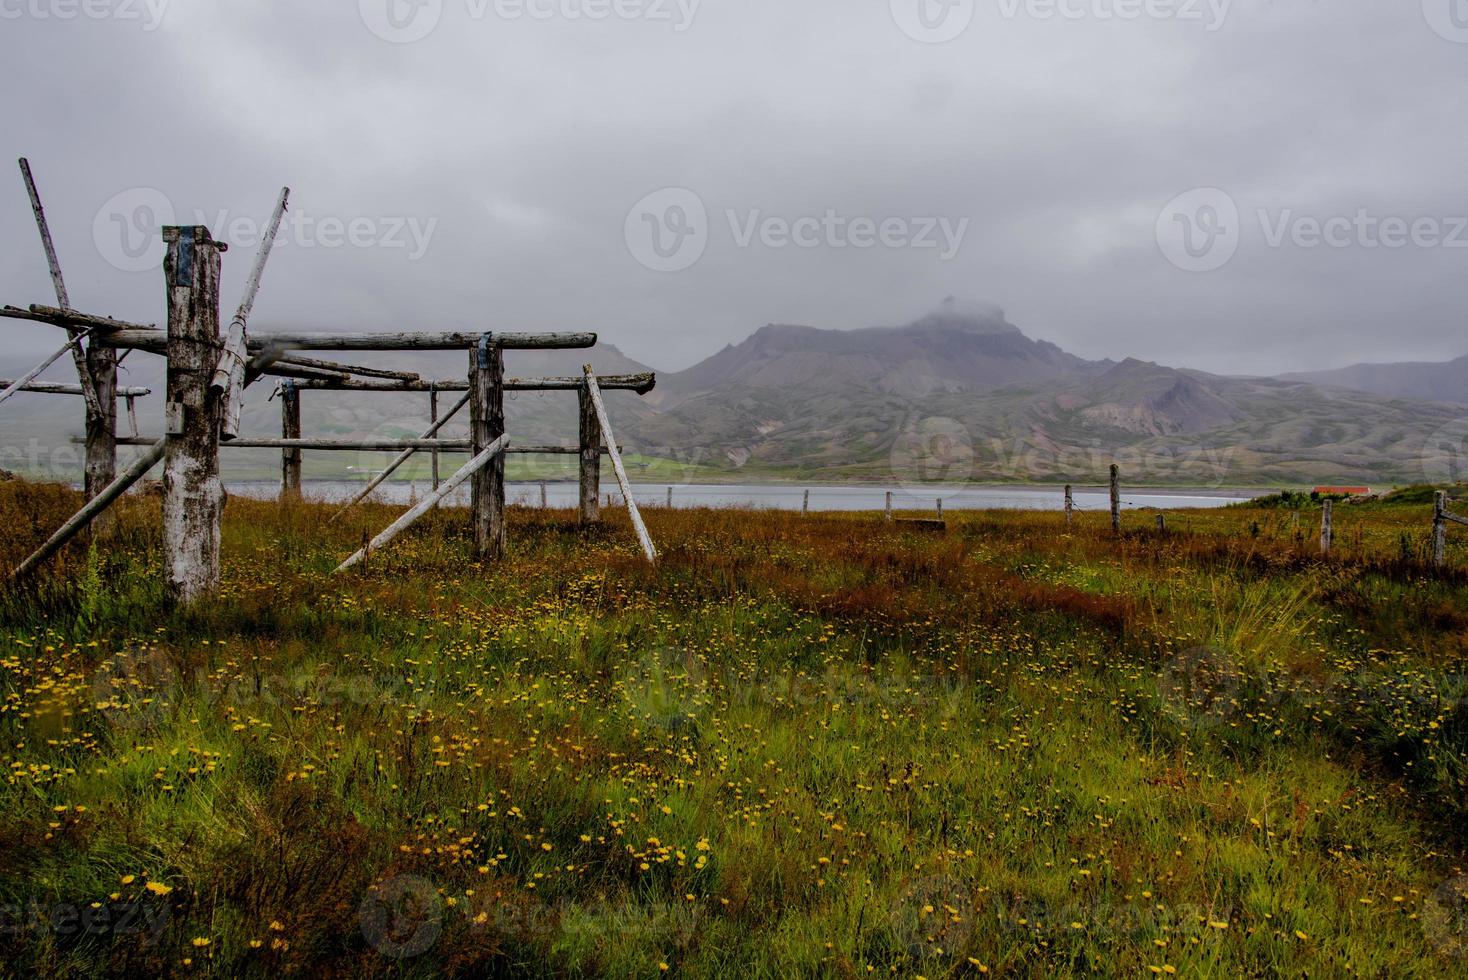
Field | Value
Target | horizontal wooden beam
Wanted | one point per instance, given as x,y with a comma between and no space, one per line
57,388
154,340
366,445
640,383
453,446
71,318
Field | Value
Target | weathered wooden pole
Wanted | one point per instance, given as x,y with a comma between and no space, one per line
670,498
1115,498
403,456
1327,531
193,498
495,450
805,505
486,425
887,514
591,441
1070,505
290,428
228,382
643,538
1162,522
95,506
1440,529
940,508
96,368
433,418
544,497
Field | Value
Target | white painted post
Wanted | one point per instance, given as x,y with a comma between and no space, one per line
193,498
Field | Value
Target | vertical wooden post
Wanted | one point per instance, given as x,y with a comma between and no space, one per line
290,428
544,501
1162,522
805,507
433,417
590,507
1070,505
193,498
1115,498
1440,529
1327,531
940,508
670,498
888,513
101,466
486,424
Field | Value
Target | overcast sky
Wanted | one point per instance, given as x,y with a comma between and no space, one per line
838,163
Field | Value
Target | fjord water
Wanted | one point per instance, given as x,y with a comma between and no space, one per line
783,496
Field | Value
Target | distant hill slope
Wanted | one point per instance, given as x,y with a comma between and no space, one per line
949,350
1446,382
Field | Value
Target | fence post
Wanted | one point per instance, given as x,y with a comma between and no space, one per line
1440,529
486,424
888,514
544,501
670,498
940,508
1162,522
1070,505
193,498
433,417
290,428
1327,531
591,439
1115,498
805,505
101,467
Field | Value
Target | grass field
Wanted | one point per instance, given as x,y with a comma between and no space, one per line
801,746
